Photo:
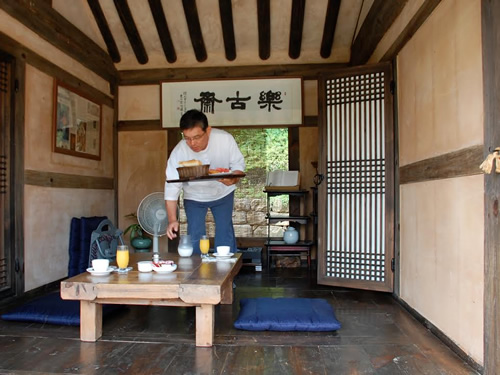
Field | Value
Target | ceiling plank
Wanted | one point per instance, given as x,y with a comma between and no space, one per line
264,23
163,31
296,28
153,76
57,30
226,20
102,23
193,22
332,14
411,28
378,20
131,30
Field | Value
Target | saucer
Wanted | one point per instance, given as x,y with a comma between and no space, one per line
100,273
223,256
165,268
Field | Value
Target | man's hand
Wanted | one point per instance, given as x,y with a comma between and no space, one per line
172,229
231,181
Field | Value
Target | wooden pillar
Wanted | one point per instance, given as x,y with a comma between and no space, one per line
490,9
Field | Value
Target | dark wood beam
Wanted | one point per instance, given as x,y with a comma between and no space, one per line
264,24
453,164
411,28
57,30
153,76
378,20
193,22
296,28
332,14
63,180
131,30
102,23
140,125
24,54
226,20
163,31
490,31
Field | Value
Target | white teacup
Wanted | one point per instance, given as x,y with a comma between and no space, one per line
223,250
100,265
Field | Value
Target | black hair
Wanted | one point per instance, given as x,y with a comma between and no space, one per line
193,118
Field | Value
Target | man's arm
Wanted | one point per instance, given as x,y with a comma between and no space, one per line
173,223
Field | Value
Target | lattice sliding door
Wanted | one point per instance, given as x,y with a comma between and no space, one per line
356,229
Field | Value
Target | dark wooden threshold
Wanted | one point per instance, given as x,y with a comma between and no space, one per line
440,335
459,163
145,125
63,180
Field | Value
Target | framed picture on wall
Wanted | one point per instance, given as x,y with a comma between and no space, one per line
77,123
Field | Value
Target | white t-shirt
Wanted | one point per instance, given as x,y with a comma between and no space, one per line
221,152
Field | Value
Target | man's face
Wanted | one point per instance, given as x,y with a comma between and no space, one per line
197,138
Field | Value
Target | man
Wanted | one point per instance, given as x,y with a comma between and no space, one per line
210,146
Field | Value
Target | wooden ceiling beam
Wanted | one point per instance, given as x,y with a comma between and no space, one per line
226,20
39,17
332,14
296,28
378,20
102,23
264,24
411,28
193,22
131,30
163,31
154,76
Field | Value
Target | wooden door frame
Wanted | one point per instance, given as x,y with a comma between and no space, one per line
491,97
389,165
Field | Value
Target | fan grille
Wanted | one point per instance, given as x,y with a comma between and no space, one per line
152,214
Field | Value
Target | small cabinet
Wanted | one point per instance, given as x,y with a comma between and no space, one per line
275,248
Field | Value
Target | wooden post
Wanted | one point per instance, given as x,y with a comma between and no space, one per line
204,325
90,321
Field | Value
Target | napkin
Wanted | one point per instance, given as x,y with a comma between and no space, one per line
213,259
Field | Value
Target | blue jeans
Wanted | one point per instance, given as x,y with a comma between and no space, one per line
222,210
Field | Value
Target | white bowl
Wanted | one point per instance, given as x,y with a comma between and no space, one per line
223,250
100,265
145,266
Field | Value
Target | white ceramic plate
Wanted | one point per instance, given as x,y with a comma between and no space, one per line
165,268
223,256
100,273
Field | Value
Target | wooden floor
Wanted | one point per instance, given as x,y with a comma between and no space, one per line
377,337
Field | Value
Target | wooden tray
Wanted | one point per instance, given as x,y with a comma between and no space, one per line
209,177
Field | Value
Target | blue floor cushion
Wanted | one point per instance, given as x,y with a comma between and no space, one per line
53,310
286,314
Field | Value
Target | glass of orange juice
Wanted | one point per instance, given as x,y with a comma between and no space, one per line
204,246
122,257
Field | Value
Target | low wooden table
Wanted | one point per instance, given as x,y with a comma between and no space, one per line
194,283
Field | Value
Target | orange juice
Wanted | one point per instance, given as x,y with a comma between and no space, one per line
204,245
122,258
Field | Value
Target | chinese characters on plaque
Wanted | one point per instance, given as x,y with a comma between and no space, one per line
234,102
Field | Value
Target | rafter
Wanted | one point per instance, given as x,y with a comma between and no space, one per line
378,20
264,22
296,28
131,30
226,20
163,31
58,31
193,22
100,19
332,14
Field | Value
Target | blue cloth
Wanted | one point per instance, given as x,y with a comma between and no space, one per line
52,309
286,314
222,209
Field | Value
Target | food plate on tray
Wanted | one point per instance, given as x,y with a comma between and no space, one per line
209,177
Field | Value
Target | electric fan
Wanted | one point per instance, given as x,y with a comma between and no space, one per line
152,217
